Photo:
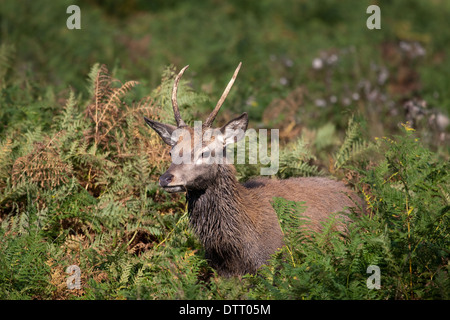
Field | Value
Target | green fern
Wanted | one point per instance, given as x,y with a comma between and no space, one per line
92,77
353,146
295,160
187,98
291,221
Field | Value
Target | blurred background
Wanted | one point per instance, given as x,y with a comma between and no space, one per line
305,63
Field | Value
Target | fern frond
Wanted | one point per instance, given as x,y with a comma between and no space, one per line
42,166
107,111
92,77
186,97
70,118
13,192
328,230
126,267
353,146
113,99
295,160
6,147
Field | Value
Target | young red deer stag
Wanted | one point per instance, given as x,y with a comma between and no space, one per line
235,223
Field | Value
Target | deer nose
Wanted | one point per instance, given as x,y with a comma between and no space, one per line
165,179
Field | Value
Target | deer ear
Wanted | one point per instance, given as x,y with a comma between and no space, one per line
235,129
164,130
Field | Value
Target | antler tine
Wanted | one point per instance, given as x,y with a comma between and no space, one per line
213,114
176,110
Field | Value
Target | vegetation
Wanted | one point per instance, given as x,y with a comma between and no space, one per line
79,168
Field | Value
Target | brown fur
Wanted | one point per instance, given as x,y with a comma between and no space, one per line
236,223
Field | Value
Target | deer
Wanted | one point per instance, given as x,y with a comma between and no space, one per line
236,223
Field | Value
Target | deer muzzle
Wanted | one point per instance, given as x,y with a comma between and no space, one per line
165,182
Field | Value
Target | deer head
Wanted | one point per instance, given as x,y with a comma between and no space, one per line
197,152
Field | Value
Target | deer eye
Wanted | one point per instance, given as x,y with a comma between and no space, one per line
206,154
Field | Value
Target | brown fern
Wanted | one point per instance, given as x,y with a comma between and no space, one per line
5,160
108,112
42,166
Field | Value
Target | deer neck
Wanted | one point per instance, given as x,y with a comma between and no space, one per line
218,211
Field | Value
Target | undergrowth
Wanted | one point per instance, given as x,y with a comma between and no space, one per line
84,192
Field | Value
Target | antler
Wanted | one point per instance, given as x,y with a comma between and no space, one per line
213,114
176,111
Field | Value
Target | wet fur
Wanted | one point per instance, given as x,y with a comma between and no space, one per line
237,224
